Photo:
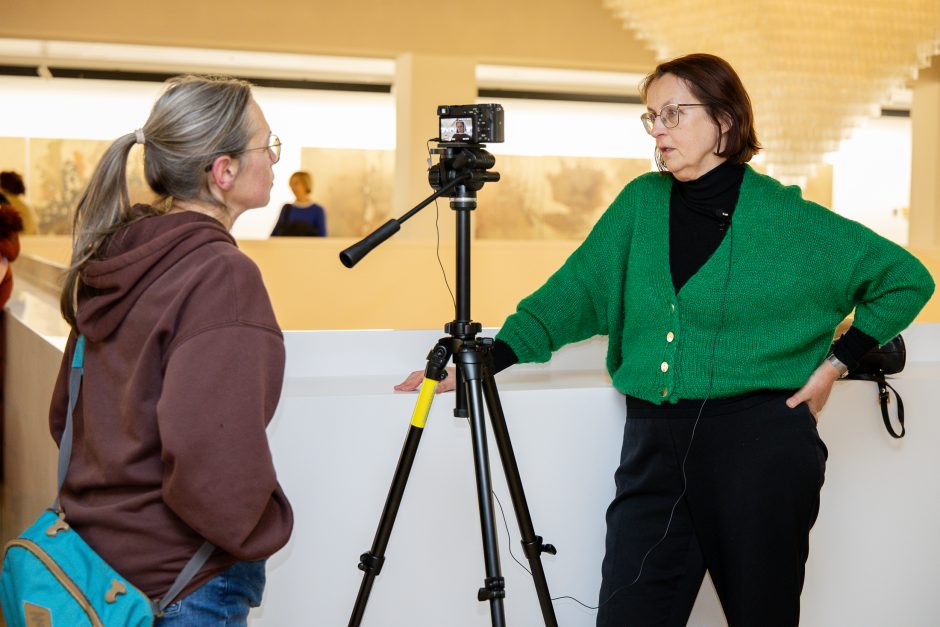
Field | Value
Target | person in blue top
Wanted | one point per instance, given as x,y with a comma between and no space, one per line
303,217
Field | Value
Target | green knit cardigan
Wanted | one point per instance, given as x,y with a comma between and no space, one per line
759,314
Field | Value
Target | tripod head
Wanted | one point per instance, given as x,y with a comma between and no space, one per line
458,160
460,173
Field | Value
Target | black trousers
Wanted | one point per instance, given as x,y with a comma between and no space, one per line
753,476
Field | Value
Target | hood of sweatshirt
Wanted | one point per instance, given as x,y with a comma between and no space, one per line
135,258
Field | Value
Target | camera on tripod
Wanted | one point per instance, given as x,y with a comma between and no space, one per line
460,172
472,124
463,128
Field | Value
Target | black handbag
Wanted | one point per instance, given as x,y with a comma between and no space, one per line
878,362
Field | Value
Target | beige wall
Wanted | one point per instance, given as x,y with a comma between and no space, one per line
559,33
399,285
930,257
925,159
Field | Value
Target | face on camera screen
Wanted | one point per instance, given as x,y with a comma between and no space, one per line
456,129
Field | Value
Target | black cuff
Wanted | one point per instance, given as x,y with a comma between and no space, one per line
852,346
503,356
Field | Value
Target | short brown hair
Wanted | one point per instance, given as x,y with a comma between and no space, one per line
715,83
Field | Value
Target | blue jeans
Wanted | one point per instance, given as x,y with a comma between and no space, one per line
223,600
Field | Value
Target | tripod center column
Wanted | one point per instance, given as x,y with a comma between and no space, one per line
422,82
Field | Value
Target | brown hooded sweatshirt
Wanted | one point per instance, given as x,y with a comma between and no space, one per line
184,363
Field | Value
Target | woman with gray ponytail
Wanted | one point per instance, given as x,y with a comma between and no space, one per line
184,358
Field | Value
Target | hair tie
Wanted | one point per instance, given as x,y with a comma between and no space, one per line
139,136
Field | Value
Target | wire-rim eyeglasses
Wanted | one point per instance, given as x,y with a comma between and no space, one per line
669,115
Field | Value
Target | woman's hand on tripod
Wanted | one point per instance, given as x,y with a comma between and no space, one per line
413,381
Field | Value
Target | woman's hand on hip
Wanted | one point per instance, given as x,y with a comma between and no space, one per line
414,380
815,392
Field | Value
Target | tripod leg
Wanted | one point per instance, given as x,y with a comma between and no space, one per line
532,544
371,563
494,589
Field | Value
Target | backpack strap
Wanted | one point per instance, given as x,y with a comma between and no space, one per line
65,444
196,562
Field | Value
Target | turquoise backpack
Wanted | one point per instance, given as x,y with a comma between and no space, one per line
51,578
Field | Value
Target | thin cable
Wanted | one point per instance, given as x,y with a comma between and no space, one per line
506,525
508,535
685,458
685,481
521,565
502,513
437,232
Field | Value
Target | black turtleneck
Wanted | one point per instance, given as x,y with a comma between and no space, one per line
700,213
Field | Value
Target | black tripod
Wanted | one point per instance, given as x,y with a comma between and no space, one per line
461,172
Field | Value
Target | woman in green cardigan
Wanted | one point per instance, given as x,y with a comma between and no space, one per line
719,290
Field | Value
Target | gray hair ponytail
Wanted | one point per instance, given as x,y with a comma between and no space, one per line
196,119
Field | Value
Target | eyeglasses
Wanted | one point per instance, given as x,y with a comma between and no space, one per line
669,114
273,147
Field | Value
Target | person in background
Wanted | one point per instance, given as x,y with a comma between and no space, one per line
184,359
719,290
303,217
11,184
11,225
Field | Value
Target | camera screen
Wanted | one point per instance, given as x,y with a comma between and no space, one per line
456,129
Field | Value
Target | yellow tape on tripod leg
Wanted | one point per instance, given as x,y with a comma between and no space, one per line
423,406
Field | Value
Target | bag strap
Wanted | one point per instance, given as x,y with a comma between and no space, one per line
197,561
884,398
186,575
65,445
